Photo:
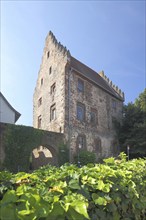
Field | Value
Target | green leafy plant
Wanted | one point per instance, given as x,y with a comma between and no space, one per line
115,190
20,140
63,156
133,128
85,157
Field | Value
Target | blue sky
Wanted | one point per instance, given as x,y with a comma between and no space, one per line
105,35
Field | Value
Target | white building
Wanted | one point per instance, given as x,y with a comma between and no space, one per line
7,113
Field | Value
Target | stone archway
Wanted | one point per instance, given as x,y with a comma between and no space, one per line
48,139
42,156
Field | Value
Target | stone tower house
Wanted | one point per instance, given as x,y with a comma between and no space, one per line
73,99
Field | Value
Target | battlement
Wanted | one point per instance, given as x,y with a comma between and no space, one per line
57,44
110,83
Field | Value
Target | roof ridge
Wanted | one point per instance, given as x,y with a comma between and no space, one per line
84,64
110,83
95,77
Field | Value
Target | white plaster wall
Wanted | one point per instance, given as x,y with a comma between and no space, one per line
7,115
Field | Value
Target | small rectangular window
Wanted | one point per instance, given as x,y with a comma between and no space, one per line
81,142
53,89
80,111
80,85
50,70
48,54
41,81
39,121
53,112
39,101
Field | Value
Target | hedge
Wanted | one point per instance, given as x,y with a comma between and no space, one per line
113,190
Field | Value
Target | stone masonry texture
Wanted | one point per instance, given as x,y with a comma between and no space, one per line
56,99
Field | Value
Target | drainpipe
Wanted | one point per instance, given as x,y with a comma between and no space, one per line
69,121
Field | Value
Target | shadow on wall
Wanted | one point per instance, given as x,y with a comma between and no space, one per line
41,156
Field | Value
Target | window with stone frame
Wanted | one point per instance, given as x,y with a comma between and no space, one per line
39,121
53,89
80,85
80,111
81,142
40,101
93,117
53,112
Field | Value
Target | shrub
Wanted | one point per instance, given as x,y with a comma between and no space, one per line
114,190
63,156
85,157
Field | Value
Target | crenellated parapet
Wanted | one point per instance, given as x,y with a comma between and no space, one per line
110,83
57,44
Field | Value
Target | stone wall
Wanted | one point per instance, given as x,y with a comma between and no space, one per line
50,140
100,136
50,87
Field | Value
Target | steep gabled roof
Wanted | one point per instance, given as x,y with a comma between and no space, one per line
93,76
17,114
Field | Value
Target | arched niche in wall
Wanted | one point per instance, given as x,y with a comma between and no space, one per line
42,156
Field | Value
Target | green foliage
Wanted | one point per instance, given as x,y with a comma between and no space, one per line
141,101
114,190
63,154
133,129
19,143
85,157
